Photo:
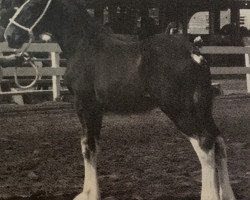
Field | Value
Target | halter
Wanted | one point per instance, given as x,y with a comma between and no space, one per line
29,30
31,36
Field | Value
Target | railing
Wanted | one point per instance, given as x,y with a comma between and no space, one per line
54,70
57,72
230,70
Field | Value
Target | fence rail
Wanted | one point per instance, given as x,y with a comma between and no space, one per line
34,47
225,50
55,71
27,71
230,70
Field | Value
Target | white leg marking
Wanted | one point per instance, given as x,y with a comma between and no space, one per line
209,189
226,192
91,187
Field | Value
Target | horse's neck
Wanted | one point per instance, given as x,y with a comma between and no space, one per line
69,44
69,39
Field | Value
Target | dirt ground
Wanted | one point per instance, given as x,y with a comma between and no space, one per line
143,156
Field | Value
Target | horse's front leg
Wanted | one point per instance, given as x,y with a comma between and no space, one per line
91,118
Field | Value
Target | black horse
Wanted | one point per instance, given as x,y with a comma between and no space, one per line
105,72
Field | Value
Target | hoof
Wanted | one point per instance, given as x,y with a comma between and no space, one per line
210,197
87,196
227,198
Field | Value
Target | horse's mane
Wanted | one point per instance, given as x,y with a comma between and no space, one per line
81,4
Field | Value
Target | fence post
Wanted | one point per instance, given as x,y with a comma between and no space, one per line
246,42
56,86
247,61
1,74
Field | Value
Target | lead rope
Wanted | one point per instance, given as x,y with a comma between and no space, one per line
33,65
28,61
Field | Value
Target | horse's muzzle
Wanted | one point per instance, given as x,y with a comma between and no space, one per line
15,38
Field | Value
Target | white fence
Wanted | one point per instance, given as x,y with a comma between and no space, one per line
57,72
230,70
54,70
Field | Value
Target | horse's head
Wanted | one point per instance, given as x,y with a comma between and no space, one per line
38,16
21,25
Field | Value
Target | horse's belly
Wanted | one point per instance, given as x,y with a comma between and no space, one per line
119,81
120,97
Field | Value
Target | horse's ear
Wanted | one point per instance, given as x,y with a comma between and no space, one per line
81,3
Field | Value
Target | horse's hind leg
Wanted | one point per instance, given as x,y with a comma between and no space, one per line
210,149
203,143
204,146
209,189
185,115
90,115
216,161
226,192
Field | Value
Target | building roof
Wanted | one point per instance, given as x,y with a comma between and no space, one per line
152,3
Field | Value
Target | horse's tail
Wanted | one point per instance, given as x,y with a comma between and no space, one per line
204,97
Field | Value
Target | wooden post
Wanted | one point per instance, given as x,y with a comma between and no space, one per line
144,17
171,14
246,42
56,87
162,18
112,9
235,21
217,20
131,20
99,15
185,21
212,22
1,74
247,61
